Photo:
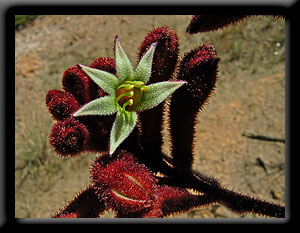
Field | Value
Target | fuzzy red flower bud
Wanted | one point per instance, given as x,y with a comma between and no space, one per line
61,104
77,83
68,137
199,68
125,185
104,63
166,52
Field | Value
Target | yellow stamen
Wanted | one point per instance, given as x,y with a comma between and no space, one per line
129,102
144,88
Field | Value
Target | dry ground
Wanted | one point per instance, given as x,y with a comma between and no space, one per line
250,95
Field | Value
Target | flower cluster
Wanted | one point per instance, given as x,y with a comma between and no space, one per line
117,112
104,88
128,93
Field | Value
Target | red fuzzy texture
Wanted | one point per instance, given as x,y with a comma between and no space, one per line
125,185
166,52
203,54
131,190
68,137
104,63
77,83
199,68
167,200
61,104
51,94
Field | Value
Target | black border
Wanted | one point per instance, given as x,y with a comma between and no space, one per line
9,92
175,9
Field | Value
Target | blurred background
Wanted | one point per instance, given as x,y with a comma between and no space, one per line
249,97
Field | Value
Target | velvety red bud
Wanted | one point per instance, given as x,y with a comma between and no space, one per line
104,63
77,83
125,185
166,53
68,137
199,68
61,104
51,94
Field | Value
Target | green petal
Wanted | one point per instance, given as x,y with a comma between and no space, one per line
123,65
122,127
102,106
143,70
156,94
107,81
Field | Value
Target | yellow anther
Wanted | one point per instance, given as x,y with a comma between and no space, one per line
130,102
144,88
131,93
139,84
129,88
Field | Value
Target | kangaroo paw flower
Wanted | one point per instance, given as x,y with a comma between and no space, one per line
127,93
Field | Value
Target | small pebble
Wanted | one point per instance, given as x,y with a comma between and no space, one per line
275,195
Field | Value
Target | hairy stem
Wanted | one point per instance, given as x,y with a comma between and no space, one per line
237,202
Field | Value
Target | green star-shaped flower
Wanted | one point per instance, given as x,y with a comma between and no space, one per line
128,93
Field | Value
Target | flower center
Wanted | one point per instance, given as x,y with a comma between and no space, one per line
129,94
